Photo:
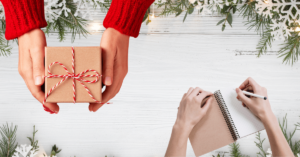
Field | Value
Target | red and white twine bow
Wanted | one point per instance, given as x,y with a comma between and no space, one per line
74,77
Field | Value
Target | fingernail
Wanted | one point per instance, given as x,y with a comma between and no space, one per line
38,80
237,90
107,80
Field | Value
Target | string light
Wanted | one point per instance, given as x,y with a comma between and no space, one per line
266,1
153,16
96,27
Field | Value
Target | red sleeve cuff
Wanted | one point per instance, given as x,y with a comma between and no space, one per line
22,16
126,16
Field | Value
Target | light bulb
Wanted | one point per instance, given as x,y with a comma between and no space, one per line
266,1
96,27
297,29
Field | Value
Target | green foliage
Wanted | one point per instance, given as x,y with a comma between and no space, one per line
104,6
235,150
264,42
295,146
34,143
5,49
259,144
290,50
220,155
259,23
74,24
8,140
54,151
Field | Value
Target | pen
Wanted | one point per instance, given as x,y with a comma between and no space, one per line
255,95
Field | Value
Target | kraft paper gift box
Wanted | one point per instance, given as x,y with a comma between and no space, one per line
84,58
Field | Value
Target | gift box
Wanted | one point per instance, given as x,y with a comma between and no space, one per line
73,74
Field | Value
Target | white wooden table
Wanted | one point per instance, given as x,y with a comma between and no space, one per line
164,61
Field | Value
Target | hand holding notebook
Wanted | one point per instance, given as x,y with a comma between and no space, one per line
224,120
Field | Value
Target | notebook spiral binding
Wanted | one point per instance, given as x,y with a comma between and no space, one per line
226,114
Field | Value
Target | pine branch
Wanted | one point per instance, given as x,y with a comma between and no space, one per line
247,11
55,150
290,50
33,142
260,23
5,48
259,144
235,150
264,42
8,140
295,147
74,24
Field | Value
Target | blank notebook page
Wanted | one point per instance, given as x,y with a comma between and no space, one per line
245,122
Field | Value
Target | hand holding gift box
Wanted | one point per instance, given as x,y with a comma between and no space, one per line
73,74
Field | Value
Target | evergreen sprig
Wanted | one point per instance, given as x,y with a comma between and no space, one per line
33,142
8,142
235,150
259,144
70,23
294,145
290,50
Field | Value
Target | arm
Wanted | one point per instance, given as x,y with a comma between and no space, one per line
189,114
124,19
262,109
24,18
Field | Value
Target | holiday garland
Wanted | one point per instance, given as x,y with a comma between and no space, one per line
62,16
271,19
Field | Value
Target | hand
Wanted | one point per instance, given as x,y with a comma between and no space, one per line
31,64
259,107
114,47
190,111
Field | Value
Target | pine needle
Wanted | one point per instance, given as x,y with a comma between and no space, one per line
8,140
34,143
235,150
290,50
259,144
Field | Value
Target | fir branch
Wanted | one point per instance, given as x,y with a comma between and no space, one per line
295,147
33,142
264,42
247,11
8,140
261,23
104,6
5,48
259,144
74,24
55,150
235,150
290,50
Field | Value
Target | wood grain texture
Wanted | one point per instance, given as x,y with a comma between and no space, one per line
162,66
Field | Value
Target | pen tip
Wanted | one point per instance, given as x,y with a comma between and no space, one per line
265,98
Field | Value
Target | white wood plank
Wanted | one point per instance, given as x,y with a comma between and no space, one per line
161,68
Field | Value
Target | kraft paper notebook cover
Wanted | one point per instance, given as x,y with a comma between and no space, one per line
225,122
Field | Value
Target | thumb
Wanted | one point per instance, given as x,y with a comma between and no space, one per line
242,96
207,105
108,66
38,68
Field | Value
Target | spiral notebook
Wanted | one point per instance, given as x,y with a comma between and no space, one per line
225,122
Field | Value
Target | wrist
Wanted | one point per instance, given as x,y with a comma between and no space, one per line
183,127
268,118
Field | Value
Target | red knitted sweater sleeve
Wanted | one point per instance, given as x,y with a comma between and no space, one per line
21,16
126,16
